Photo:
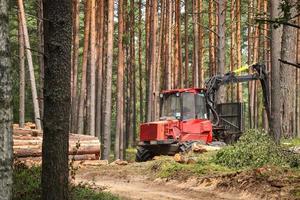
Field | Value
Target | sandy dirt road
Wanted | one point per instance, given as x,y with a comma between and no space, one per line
139,187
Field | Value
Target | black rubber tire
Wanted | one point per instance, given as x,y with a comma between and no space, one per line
143,154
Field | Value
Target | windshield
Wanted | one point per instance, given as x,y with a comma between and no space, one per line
170,106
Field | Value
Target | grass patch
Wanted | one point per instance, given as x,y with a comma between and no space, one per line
166,168
256,149
27,186
291,142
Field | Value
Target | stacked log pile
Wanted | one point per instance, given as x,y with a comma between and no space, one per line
28,145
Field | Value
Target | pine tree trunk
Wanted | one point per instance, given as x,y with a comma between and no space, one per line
120,86
93,69
287,76
140,63
275,124
75,54
6,117
211,38
22,76
177,52
41,56
186,45
153,32
107,109
201,44
196,44
58,39
100,70
239,88
298,84
30,66
81,108
221,94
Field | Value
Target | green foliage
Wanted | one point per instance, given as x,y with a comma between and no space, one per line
83,193
27,186
255,149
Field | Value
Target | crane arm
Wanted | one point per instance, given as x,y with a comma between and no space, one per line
214,83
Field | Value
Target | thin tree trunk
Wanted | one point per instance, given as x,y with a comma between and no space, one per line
41,55
287,76
6,117
120,86
30,66
196,44
239,87
275,124
140,63
93,69
201,44
152,67
75,52
178,59
58,39
221,95
211,38
22,76
186,45
107,112
100,69
81,112
233,46
298,84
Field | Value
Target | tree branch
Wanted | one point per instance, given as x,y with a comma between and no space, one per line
289,63
277,22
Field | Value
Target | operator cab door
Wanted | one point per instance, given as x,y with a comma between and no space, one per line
193,114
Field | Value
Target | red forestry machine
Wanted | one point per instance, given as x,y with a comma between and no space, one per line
192,115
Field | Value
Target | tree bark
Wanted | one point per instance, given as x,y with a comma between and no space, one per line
57,91
196,44
75,55
120,81
287,76
107,112
22,76
239,88
275,124
6,113
140,63
100,70
41,55
221,94
84,68
93,69
37,117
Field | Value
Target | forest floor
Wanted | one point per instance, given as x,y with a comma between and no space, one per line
151,181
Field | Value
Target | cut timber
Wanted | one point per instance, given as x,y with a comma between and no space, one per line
28,143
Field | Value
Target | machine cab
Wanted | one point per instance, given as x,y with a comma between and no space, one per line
184,104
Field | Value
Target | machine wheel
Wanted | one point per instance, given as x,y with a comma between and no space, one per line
143,154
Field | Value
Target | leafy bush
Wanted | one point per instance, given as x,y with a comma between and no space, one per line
255,149
27,186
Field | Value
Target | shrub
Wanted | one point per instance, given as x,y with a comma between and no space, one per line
255,149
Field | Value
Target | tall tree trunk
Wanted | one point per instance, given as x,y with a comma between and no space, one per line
186,45
93,69
196,44
211,37
169,45
107,112
153,32
140,63
87,23
275,124
75,54
239,87
120,86
6,116
221,95
100,69
30,66
22,76
40,22
233,56
178,59
58,39
287,76
298,83
201,44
